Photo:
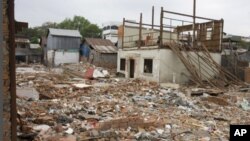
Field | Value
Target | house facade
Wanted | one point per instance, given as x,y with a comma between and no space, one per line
62,46
110,31
170,53
27,52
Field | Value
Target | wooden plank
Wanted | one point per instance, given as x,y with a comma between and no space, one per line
247,75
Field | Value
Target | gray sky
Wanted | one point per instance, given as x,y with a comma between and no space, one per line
236,13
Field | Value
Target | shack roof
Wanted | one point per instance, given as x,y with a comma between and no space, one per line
64,32
22,40
101,45
232,38
35,46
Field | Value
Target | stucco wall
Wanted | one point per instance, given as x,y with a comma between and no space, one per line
58,57
167,67
139,57
173,70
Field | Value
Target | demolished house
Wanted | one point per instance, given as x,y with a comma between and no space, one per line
177,53
235,57
110,31
26,52
62,46
103,52
237,62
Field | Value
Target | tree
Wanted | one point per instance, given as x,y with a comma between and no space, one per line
86,28
244,44
35,33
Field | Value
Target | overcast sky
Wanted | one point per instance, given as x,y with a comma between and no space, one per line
236,13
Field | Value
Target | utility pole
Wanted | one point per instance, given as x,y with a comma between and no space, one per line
153,13
194,16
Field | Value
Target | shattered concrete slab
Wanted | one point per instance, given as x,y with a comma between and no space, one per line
27,93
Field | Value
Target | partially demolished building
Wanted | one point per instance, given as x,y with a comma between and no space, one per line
176,51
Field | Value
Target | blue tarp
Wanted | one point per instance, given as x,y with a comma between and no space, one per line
85,50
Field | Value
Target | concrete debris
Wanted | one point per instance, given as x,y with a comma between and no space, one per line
27,93
41,128
81,85
245,105
69,131
100,73
82,102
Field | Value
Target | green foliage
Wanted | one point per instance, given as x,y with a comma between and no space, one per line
86,28
37,32
83,25
244,44
34,40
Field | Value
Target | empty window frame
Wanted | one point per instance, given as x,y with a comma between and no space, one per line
122,64
148,66
105,28
114,27
209,33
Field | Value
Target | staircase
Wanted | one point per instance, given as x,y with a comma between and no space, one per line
202,67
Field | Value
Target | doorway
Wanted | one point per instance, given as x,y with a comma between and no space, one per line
131,68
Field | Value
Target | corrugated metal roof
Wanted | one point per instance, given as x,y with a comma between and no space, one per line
102,45
64,32
22,40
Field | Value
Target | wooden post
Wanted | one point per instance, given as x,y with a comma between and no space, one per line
161,27
140,32
123,30
221,31
153,11
194,16
170,30
1,71
12,70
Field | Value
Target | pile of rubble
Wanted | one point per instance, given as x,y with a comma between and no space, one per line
72,103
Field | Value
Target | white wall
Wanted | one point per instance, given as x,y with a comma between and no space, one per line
167,67
50,56
60,57
139,57
171,66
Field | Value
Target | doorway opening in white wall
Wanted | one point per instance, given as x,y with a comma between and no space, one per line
131,68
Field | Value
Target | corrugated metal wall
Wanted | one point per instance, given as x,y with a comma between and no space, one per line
62,42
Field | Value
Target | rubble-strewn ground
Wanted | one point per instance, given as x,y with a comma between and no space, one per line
60,105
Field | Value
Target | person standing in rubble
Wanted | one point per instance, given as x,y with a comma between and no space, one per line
81,50
84,51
